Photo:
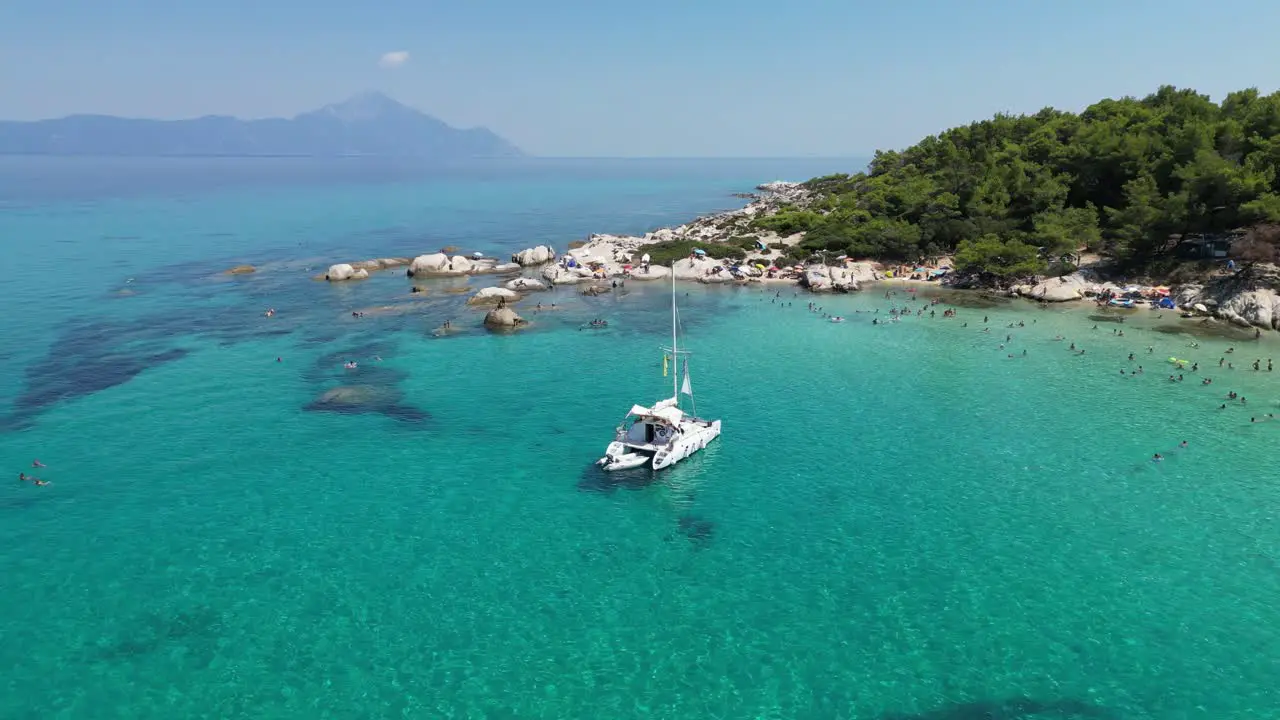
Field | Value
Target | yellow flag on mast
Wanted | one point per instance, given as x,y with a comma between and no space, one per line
665,358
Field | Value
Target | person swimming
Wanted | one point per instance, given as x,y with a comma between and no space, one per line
1183,444
37,464
1157,457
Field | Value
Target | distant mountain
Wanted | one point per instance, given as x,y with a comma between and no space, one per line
367,124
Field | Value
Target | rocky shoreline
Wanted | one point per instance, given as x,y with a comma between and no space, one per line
721,240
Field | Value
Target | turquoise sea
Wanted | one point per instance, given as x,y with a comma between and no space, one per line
900,521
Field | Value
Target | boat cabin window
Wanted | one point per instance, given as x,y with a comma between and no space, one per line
643,432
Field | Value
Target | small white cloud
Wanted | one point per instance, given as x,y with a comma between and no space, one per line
394,59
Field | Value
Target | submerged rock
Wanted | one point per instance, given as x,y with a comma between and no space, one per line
355,399
241,270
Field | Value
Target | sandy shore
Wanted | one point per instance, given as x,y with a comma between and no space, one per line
603,259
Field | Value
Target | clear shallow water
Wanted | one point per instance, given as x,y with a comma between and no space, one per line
899,520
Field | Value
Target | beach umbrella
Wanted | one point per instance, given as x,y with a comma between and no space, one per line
760,266
1200,307
477,254
773,268
644,258
699,251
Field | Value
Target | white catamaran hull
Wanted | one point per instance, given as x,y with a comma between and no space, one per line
662,435
692,437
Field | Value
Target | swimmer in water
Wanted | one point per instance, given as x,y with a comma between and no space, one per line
1157,457
37,464
1183,444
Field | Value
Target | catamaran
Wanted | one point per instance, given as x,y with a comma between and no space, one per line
662,435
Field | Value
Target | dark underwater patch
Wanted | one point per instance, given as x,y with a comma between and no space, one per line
196,629
1011,709
975,301
1108,318
68,376
360,399
92,355
697,529
1218,329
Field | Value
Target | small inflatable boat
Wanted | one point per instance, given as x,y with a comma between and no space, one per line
625,461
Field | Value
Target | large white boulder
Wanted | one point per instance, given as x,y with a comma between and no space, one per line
344,271
693,268
493,296
863,272
459,265
380,263
539,255
557,275
1189,295
654,272
433,264
816,279
525,284
502,318
1260,308
1065,288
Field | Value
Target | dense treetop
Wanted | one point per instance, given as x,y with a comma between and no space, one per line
1010,193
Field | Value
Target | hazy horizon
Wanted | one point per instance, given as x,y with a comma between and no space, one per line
568,78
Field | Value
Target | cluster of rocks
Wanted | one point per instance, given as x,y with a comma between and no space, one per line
360,270
839,278
1249,298
540,255
442,265
1065,288
436,264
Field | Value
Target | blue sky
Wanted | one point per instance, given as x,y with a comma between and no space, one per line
651,78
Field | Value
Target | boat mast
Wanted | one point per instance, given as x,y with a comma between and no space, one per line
675,349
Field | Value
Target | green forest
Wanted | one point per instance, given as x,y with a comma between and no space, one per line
1012,195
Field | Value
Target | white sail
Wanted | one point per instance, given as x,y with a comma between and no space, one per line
686,387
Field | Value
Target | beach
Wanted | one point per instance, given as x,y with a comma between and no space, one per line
907,519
